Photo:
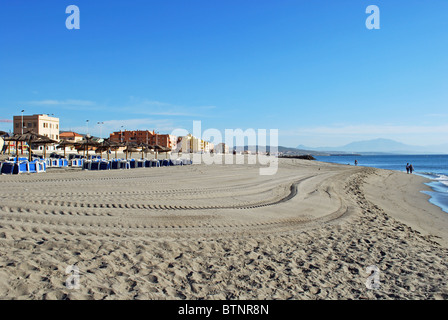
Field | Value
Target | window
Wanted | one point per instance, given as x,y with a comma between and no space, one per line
30,125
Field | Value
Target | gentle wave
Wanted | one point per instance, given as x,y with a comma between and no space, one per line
439,182
443,179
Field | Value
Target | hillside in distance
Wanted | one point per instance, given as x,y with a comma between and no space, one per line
381,146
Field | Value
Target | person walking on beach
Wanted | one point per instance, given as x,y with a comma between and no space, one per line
411,168
356,162
407,167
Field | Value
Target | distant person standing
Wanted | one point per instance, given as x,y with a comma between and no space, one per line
407,167
411,168
356,162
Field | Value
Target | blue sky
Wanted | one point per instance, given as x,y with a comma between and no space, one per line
308,68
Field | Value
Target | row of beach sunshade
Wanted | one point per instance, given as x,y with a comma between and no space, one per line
22,165
102,164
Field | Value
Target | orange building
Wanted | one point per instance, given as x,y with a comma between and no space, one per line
144,136
136,136
165,140
70,136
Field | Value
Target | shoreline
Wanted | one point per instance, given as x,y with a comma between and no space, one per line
430,219
220,232
416,210
435,196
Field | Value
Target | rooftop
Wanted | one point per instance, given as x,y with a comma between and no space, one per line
69,134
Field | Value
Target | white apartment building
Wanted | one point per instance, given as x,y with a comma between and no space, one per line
38,123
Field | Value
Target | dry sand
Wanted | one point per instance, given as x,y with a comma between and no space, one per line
221,232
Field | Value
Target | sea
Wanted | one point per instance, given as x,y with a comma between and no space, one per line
433,167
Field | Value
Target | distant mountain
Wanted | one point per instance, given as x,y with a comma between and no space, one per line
284,150
381,146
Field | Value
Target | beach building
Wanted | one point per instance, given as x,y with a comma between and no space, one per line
38,123
221,148
144,136
72,137
42,124
135,136
165,140
207,146
191,144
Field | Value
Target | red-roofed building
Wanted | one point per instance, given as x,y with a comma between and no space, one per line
70,136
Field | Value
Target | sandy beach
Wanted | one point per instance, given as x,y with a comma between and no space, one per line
221,232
